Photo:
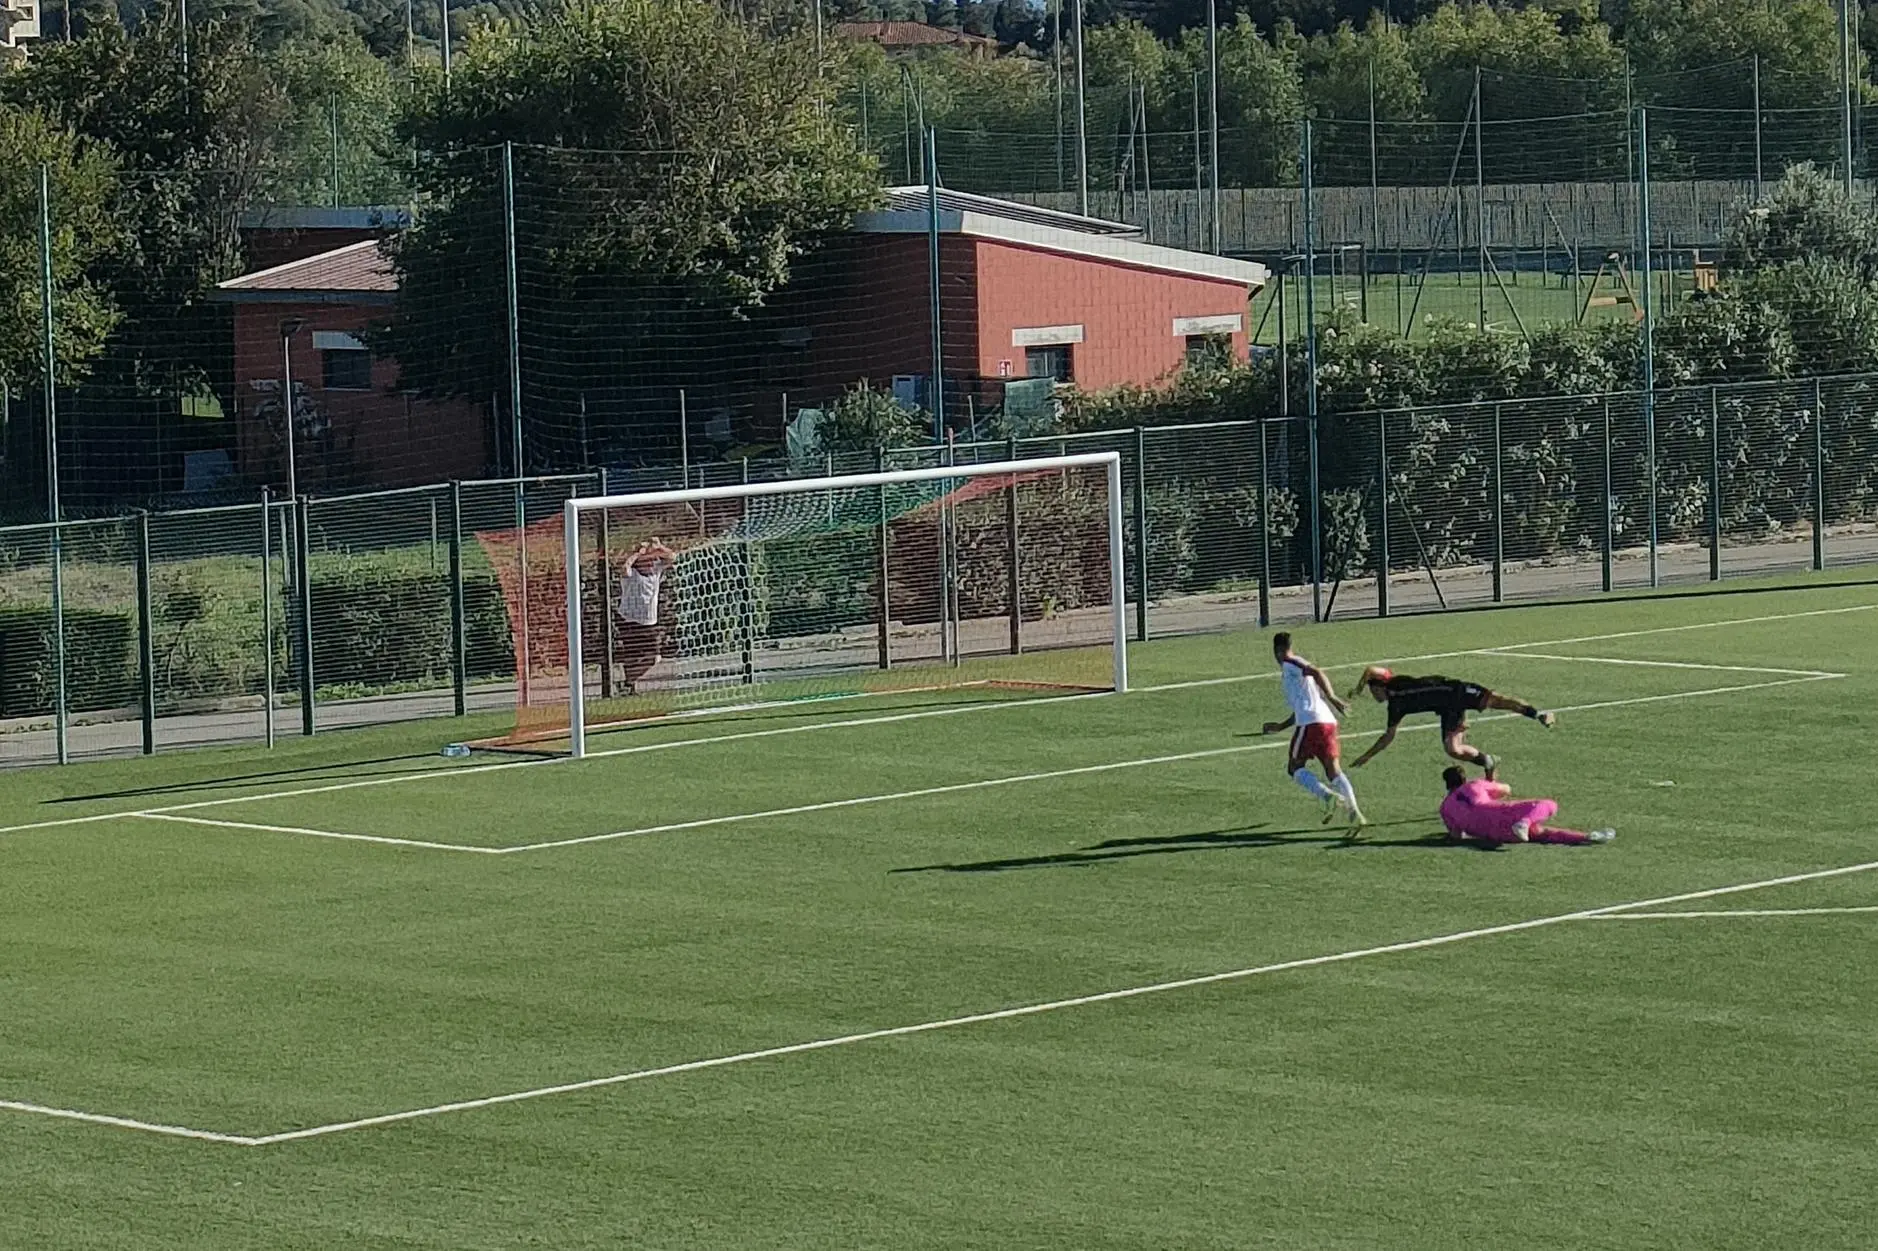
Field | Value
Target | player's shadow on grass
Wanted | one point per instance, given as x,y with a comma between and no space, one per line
1239,839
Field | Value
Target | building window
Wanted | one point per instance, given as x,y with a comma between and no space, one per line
1051,361
346,369
1208,351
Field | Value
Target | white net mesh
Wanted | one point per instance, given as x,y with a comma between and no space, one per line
972,583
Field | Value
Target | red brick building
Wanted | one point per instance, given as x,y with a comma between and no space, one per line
355,428
1024,292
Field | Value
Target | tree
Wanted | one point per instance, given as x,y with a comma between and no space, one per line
670,164
82,183
1806,215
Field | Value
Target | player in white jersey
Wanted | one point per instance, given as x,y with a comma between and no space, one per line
1313,725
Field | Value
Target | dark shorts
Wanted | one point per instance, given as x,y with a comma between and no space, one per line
1450,701
1453,713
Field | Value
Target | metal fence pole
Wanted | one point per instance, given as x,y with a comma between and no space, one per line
1265,528
604,542
885,543
267,614
513,293
1610,503
1012,555
459,634
1499,511
936,311
749,592
146,645
1382,480
54,512
1649,328
1819,476
1714,485
303,541
1310,392
1141,536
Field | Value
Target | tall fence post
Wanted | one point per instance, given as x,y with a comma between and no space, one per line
885,551
54,511
267,614
1382,480
1819,476
1141,536
513,293
1714,485
748,607
1499,511
603,541
1265,525
303,542
1649,328
1310,362
146,644
1610,502
459,634
1012,554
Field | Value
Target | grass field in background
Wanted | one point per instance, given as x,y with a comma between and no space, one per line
1540,299
1597,1082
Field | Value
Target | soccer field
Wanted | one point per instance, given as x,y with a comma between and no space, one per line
916,972
1539,299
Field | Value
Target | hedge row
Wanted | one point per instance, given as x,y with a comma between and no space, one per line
380,622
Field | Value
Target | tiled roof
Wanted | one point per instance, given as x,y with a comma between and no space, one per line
360,270
1050,230
913,199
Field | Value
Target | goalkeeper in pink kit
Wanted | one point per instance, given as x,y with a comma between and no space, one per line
1484,811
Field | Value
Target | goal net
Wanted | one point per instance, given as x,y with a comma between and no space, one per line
996,578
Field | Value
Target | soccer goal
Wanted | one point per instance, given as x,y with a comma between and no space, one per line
997,578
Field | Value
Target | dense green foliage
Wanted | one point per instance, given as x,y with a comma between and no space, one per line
614,105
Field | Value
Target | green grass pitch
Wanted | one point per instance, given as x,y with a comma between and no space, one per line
1614,1081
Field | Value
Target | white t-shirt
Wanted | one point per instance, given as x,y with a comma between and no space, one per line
1308,705
639,596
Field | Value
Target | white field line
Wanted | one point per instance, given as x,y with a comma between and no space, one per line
924,1027
1740,912
309,833
923,792
125,1122
851,722
1083,770
1036,1009
1659,664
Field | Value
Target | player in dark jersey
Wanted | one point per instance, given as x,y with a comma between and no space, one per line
1447,698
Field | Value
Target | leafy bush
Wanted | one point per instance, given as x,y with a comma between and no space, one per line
100,661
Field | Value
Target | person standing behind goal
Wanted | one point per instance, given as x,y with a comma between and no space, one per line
640,635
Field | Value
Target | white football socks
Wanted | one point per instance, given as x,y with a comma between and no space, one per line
1312,787
1344,790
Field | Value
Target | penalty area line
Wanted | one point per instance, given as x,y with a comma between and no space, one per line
1655,664
304,832
1015,779
1611,911
125,1122
1038,1009
852,722
1737,912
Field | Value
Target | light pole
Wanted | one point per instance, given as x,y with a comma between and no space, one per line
289,327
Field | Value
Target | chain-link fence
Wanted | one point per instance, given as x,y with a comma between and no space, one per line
242,623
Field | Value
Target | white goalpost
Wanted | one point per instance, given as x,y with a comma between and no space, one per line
1001,577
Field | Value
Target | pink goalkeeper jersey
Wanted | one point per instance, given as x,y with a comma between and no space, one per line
1475,808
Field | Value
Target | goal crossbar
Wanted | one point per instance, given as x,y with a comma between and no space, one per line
1109,462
